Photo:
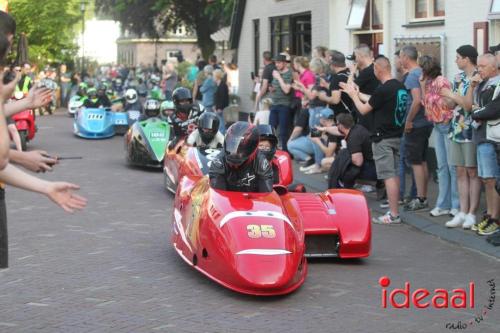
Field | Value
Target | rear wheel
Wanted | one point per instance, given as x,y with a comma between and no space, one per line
24,139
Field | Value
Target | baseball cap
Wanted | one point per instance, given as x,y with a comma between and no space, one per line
284,57
494,49
326,113
351,57
337,59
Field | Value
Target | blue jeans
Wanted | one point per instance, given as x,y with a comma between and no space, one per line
222,124
447,174
403,165
302,148
279,117
314,115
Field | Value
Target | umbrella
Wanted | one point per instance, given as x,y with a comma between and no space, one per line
22,50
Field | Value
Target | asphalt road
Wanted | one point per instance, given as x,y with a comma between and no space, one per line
111,267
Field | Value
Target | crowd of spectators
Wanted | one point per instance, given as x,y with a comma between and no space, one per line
352,119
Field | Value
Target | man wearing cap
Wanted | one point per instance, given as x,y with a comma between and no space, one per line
323,144
340,101
281,94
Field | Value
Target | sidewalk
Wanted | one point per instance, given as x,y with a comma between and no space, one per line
420,220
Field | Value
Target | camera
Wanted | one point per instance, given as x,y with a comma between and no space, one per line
315,133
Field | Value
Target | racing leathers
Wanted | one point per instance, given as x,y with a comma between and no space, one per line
181,127
195,140
254,176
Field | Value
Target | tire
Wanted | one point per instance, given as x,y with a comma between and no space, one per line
24,140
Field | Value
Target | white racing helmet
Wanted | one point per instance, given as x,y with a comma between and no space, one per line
131,96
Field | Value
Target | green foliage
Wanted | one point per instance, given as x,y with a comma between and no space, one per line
49,26
182,71
202,16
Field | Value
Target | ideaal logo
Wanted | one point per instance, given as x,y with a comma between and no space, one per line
422,298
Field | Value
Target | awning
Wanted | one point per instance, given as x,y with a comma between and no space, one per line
222,35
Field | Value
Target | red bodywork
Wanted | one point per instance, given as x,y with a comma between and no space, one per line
25,121
257,243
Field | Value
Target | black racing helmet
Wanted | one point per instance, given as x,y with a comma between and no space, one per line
152,108
183,100
240,144
208,126
267,133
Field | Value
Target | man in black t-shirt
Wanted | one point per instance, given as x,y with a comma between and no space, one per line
358,142
340,102
366,80
267,77
388,105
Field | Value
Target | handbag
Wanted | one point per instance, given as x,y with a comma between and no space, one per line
493,130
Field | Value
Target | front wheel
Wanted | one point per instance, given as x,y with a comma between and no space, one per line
24,140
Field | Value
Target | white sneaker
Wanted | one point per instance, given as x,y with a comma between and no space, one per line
439,212
457,221
470,220
454,212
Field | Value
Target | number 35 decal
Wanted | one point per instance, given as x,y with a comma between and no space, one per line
259,231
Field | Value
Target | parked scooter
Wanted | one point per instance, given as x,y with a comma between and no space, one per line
25,123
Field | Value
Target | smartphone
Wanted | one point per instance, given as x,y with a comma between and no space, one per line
252,74
9,77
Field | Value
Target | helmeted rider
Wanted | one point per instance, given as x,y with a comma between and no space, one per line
241,166
101,94
151,109
186,113
167,110
268,143
207,134
93,100
82,91
118,86
155,91
132,101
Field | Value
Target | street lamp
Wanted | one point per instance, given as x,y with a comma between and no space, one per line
83,4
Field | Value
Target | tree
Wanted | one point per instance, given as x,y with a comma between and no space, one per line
143,17
49,27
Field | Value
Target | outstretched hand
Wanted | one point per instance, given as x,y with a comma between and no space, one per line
63,195
39,96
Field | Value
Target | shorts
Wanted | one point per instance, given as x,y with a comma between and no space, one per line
386,156
487,161
463,154
416,144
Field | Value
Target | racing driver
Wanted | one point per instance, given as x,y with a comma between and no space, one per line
241,167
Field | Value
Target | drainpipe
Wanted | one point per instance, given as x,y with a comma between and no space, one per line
388,42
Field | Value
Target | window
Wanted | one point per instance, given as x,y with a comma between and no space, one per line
428,9
280,35
301,28
357,14
291,34
256,46
366,15
495,6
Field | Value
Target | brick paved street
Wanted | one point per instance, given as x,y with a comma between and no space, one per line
111,267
